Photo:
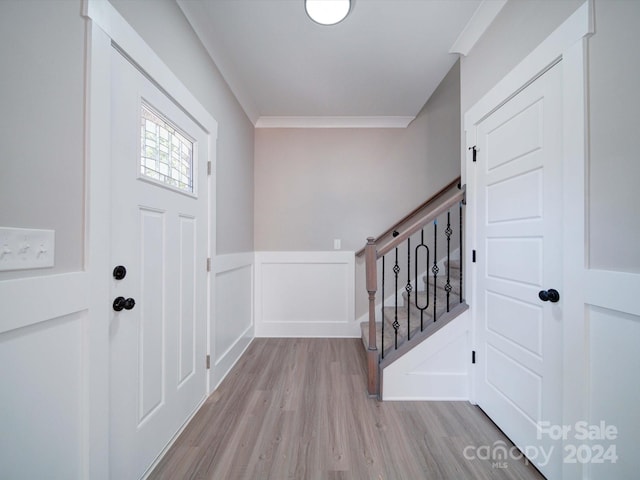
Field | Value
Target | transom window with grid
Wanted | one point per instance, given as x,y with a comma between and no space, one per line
166,152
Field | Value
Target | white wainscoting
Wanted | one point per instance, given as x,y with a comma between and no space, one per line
232,326
613,335
436,369
305,294
43,373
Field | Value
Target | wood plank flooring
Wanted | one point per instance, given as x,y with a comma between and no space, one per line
298,409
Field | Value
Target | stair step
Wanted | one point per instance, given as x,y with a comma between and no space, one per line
416,322
389,333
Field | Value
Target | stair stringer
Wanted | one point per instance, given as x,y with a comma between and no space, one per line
436,369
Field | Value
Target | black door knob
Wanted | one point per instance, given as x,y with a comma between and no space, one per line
119,272
122,303
550,295
129,303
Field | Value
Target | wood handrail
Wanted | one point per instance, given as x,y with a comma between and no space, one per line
444,204
416,211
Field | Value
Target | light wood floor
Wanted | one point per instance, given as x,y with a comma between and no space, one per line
298,409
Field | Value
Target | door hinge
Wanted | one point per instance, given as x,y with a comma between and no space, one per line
473,256
208,264
475,152
473,356
208,362
209,168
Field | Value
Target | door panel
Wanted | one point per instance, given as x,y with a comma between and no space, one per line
159,233
518,179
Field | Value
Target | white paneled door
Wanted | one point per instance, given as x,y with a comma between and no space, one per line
518,182
159,235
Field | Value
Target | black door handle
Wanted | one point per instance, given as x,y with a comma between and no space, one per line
550,295
122,303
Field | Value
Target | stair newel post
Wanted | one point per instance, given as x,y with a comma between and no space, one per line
371,260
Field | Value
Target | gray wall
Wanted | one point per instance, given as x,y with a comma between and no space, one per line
519,28
614,167
163,26
315,185
41,125
614,100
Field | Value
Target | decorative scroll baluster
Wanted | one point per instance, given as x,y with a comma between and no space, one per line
435,268
426,269
396,325
448,232
431,211
408,288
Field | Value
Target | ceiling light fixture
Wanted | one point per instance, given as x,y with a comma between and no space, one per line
327,12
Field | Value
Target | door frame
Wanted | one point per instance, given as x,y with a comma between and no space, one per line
105,28
566,47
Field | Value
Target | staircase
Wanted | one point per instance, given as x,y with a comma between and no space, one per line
411,319
416,267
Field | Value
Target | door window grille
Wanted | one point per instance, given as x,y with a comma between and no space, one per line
166,153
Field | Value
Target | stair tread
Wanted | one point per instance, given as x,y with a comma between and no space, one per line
389,334
415,324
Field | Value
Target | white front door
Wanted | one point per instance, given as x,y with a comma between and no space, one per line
518,204
159,235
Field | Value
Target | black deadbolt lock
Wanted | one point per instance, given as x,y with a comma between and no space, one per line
119,272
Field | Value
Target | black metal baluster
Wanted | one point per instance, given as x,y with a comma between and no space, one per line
435,268
408,289
382,311
426,269
461,252
448,232
396,325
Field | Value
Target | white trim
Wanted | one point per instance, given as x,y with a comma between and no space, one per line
232,261
305,323
402,380
222,363
129,41
613,290
334,122
37,299
105,27
576,27
484,15
567,46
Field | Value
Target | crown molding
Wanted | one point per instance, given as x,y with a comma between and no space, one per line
333,122
477,25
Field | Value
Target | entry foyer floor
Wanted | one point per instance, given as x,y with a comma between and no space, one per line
298,409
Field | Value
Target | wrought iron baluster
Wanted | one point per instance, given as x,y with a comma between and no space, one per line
408,288
426,269
461,252
435,268
382,311
448,232
396,325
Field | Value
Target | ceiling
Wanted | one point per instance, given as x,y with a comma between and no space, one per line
379,66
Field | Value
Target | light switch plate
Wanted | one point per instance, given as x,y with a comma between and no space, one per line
26,248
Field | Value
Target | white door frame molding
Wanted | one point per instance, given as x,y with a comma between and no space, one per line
106,28
566,46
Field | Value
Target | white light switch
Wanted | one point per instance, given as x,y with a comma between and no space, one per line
336,244
26,248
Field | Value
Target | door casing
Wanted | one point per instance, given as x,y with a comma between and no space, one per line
566,46
106,29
